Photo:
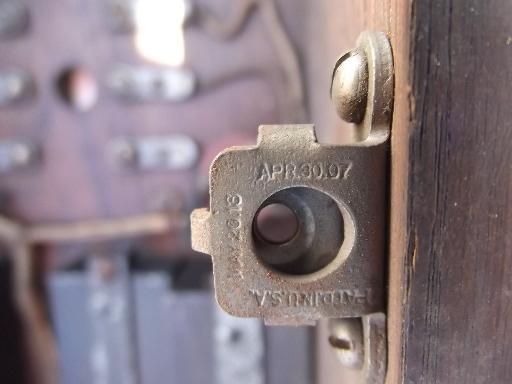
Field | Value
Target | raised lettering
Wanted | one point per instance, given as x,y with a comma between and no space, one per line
264,172
312,299
276,299
290,171
305,171
260,296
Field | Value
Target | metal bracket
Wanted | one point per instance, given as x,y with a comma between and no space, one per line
296,229
360,345
331,263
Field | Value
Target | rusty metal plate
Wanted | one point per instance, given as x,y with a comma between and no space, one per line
324,255
332,266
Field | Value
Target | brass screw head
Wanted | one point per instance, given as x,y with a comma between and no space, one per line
349,87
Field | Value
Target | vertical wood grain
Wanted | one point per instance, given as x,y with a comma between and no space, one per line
450,260
457,325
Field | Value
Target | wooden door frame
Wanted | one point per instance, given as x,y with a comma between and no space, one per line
450,254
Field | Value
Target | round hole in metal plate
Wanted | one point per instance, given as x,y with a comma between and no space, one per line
298,231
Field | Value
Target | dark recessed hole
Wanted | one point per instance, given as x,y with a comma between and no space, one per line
276,223
340,343
77,88
298,231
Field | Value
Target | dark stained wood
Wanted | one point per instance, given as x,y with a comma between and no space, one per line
450,260
457,285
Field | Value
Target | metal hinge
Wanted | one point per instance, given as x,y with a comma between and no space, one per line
296,229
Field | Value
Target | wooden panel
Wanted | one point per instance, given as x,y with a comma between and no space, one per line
457,286
451,225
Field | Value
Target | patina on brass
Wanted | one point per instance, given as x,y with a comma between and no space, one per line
332,266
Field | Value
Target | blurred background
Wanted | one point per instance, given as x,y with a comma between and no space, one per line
110,114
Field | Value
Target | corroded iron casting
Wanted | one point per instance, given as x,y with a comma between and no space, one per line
296,229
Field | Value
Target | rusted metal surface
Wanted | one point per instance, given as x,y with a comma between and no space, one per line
329,269
346,339
333,265
360,345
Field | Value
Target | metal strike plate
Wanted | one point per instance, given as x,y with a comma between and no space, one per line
332,263
333,266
